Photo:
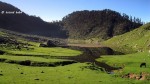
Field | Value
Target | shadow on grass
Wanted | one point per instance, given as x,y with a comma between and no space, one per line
39,64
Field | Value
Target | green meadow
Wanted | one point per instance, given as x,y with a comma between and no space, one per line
69,74
47,67
129,62
136,48
37,51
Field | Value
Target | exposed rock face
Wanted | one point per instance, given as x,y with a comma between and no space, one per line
142,76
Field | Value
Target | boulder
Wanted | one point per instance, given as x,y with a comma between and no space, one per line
51,43
42,45
2,40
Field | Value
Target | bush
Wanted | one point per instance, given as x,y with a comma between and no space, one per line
26,62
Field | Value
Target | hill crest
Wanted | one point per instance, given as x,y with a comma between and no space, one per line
102,24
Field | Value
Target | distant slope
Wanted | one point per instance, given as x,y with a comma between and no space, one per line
27,24
102,24
136,40
11,35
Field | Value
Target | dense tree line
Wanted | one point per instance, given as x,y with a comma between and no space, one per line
101,24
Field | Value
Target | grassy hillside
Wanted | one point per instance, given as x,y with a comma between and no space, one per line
137,40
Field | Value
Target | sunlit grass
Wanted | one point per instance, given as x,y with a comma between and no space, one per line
135,41
56,51
130,62
23,58
70,74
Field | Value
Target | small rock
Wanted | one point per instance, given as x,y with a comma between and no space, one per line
36,79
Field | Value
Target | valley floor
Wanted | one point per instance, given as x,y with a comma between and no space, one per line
70,74
23,62
76,73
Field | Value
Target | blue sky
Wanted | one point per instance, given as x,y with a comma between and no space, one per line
51,10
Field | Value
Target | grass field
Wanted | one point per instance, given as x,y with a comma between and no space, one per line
31,58
70,74
39,51
130,62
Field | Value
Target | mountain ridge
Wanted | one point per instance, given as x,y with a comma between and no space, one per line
24,23
101,24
